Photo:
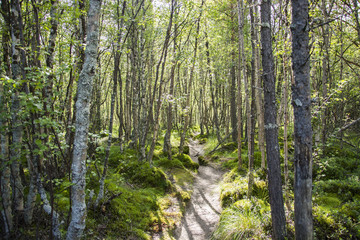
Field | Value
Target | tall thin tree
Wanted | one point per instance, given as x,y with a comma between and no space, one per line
78,168
302,119
271,127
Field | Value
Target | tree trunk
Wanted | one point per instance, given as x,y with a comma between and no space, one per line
214,105
78,168
258,92
271,127
159,101
242,68
188,92
233,94
167,138
116,72
302,120
251,136
5,172
17,129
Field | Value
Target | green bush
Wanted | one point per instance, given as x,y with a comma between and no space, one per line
346,189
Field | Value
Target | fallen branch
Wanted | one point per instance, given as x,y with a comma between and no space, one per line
221,142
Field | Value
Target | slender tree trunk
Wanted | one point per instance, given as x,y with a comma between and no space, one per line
78,213
302,120
326,73
242,68
167,138
214,105
233,116
258,91
17,129
159,101
271,127
116,72
5,172
48,208
251,137
188,93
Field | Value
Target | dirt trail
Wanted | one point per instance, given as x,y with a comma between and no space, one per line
203,211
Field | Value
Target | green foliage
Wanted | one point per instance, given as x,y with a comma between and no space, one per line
187,161
169,164
336,206
132,213
337,222
235,187
245,219
202,161
228,147
202,138
184,196
186,149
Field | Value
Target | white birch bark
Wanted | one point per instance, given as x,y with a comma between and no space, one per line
78,168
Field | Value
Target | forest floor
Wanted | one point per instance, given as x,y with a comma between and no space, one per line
203,210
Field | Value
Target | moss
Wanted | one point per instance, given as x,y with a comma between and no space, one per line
203,138
202,161
233,191
131,213
186,150
184,196
182,177
170,164
187,161
330,201
228,147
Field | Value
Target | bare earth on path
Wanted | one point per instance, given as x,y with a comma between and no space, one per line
203,211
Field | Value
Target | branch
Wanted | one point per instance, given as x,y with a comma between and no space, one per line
347,126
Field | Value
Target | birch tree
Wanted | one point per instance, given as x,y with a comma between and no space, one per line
78,168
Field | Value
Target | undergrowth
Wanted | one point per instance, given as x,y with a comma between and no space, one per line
139,195
336,194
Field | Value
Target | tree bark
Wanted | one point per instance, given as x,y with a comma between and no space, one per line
159,100
271,127
167,138
214,105
17,129
251,137
302,120
242,68
78,168
116,72
5,172
188,92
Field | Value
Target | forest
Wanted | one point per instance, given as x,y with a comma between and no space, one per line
180,119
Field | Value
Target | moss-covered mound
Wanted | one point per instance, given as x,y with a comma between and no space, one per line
187,161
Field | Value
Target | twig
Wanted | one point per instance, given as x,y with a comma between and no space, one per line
221,142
